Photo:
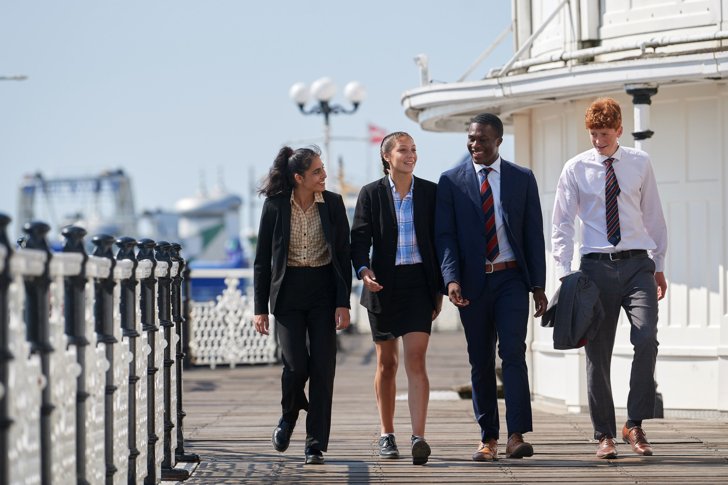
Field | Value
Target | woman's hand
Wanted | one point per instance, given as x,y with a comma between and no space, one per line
342,318
370,280
261,323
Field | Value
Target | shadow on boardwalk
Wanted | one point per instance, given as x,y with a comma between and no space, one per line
231,414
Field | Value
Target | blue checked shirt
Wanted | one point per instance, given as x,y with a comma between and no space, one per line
407,250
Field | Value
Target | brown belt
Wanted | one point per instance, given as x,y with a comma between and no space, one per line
492,268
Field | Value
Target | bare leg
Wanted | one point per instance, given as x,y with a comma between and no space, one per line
385,382
418,384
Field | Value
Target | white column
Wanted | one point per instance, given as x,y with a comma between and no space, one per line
641,98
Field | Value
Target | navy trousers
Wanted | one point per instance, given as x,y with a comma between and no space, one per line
499,315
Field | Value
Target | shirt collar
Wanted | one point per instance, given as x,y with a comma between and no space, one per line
600,158
495,165
394,189
318,198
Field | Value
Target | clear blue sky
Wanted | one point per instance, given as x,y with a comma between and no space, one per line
168,90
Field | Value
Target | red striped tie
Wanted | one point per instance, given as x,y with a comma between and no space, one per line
486,199
611,191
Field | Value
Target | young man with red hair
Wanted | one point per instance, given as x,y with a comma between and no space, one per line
613,191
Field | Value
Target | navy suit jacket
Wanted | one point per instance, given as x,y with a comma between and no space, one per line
375,227
460,226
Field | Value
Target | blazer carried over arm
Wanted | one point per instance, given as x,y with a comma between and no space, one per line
375,228
575,312
271,254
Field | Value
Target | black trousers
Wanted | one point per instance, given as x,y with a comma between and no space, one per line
307,335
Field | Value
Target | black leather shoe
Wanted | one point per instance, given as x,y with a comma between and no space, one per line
314,457
282,435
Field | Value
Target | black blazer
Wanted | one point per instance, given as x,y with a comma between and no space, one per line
375,226
271,253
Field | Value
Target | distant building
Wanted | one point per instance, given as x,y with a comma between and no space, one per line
666,62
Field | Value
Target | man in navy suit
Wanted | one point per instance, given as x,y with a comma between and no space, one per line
490,243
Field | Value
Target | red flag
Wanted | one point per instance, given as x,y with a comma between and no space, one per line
376,134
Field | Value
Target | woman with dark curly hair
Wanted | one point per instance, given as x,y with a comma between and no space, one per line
302,267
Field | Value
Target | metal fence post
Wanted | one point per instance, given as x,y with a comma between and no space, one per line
37,312
104,326
179,320
164,293
186,299
74,309
129,331
147,304
5,355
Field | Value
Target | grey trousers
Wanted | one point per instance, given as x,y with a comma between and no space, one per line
628,284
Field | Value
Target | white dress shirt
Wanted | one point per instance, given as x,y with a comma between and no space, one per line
580,192
505,252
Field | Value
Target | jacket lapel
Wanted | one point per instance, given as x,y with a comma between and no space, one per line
419,214
325,224
506,178
387,199
286,216
470,185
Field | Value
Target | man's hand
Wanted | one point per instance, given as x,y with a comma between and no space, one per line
261,323
370,280
540,302
661,285
342,318
453,293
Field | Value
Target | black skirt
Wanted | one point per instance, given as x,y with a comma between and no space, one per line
410,307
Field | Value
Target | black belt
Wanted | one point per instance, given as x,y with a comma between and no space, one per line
630,253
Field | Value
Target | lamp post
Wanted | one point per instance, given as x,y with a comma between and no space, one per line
323,90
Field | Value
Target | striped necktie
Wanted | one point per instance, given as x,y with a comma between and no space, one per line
487,203
611,191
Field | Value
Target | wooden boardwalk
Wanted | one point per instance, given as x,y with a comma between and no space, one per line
231,414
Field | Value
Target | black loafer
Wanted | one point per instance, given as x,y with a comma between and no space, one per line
314,457
282,435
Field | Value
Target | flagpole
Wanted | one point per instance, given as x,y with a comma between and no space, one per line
376,135
369,160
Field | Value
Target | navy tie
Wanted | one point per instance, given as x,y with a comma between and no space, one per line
611,191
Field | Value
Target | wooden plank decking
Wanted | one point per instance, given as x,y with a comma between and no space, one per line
231,414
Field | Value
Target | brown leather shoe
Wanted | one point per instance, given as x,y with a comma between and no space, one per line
635,436
607,448
487,451
517,448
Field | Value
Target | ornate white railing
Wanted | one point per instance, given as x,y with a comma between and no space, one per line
90,361
222,331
